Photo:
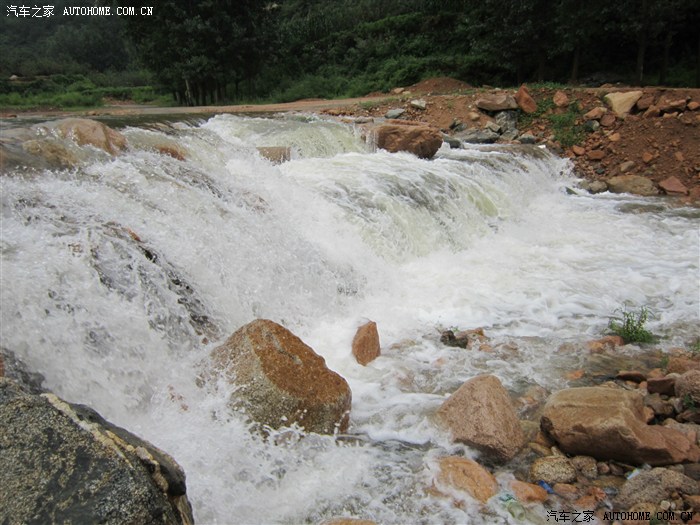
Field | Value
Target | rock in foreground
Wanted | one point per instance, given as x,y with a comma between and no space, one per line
609,423
481,415
63,463
281,381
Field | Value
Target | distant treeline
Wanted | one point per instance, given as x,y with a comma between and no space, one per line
211,51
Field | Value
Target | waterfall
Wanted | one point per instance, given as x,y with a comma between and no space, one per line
120,274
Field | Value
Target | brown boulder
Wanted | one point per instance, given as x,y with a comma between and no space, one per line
480,414
496,102
365,344
275,154
693,106
609,424
525,101
635,184
423,141
662,385
467,476
280,380
90,132
673,186
607,120
645,102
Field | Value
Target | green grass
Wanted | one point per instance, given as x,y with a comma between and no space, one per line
631,326
565,127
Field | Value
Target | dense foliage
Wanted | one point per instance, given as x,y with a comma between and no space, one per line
210,51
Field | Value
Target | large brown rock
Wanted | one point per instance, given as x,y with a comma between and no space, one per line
423,141
635,184
468,476
365,344
525,101
496,102
280,380
609,424
480,414
90,132
621,103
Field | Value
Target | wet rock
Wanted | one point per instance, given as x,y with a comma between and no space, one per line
673,186
528,492
466,475
478,136
480,414
507,121
609,423
688,386
604,344
14,368
635,184
527,138
621,103
525,101
560,99
365,344
631,375
496,102
422,141
653,486
276,154
90,132
553,469
280,380
63,463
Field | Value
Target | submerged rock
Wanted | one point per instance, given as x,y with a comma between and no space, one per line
480,414
90,132
466,475
610,423
63,463
280,380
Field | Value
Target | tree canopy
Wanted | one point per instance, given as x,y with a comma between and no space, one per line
207,51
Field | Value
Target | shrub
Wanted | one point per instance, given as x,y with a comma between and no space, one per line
631,326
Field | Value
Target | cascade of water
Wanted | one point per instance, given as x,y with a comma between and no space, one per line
118,277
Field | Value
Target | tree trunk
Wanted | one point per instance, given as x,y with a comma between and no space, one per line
573,79
188,93
641,52
697,65
664,62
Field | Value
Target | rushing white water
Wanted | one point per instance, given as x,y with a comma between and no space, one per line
120,276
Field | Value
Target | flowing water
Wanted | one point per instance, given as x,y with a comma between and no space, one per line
120,275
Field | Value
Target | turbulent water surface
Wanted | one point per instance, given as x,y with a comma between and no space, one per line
120,275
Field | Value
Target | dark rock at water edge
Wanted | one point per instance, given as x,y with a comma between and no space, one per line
63,463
